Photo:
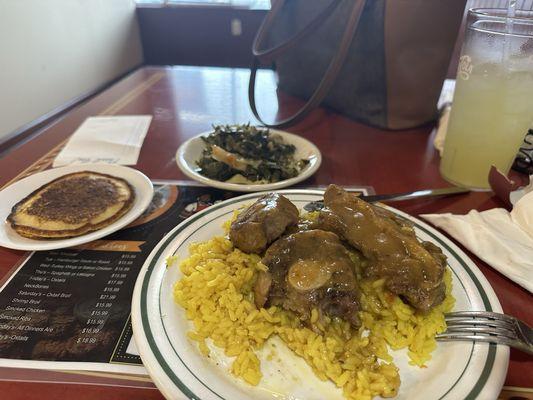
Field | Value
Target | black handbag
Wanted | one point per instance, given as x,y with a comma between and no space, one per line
381,62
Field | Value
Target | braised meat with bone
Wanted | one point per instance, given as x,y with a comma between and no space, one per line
411,269
306,270
310,266
262,223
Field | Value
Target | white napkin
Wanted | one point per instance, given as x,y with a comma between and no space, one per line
503,240
112,140
442,128
444,106
521,192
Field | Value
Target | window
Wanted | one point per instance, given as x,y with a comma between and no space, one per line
249,4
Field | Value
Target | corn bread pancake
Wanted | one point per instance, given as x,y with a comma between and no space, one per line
72,205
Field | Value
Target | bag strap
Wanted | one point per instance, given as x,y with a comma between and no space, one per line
332,71
268,55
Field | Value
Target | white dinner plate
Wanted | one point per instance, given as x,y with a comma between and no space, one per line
191,151
12,194
458,370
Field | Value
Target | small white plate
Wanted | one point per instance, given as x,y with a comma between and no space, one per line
191,151
12,194
457,370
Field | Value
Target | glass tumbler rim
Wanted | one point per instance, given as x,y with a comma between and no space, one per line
499,15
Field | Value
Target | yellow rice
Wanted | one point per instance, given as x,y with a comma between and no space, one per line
216,293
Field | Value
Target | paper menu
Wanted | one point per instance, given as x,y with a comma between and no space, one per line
107,139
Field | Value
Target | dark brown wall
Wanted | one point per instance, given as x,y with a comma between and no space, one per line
197,35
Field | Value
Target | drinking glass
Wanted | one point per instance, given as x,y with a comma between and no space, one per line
492,107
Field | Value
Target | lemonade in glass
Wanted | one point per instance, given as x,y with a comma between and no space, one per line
493,102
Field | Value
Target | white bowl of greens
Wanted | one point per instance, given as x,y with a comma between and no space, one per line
245,158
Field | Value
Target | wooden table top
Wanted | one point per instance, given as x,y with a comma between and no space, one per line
185,101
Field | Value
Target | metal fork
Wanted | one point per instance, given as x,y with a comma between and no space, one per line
485,326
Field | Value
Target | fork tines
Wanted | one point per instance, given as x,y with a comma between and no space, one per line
485,326
480,326
479,314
